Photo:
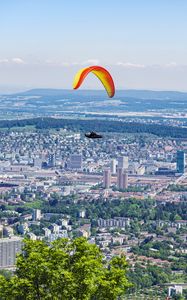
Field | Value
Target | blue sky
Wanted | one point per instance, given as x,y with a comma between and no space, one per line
142,42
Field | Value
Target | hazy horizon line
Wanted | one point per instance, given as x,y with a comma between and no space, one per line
23,90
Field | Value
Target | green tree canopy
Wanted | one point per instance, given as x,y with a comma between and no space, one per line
71,270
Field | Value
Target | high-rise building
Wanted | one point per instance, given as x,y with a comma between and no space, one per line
38,162
39,159
36,214
51,160
122,178
119,178
9,248
125,180
180,161
76,161
113,166
123,162
106,178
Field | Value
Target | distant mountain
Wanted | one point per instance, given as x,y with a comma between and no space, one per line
61,92
148,94
138,94
49,102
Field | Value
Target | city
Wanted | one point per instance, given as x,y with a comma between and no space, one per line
119,193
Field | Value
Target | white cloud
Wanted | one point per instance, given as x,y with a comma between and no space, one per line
17,60
171,65
64,64
130,65
91,61
14,60
4,61
54,63
151,66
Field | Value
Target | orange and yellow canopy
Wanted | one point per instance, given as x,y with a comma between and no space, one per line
103,75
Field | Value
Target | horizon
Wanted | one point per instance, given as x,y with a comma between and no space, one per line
90,90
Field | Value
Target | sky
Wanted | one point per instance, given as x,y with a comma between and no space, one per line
45,42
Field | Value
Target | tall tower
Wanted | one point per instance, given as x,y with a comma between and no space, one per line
122,178
180,161
125,180
76,161
51,160
119,178
106,178
9,248
113,166
36,215
123,162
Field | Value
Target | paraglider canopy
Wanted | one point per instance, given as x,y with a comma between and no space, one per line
103,75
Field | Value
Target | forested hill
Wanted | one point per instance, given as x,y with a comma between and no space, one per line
137,94
98,126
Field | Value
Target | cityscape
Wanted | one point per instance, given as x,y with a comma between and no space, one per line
93,150
119,193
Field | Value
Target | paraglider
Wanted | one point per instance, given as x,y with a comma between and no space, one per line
106,79
103,75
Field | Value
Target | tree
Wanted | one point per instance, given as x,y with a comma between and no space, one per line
71,270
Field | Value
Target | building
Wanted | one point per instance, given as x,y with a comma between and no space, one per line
84,230
113,166
76,161
106,178
55,228
7,231
36,216
180,161
55,236
140,170
116,222
119,178
165,171
38,162
122,178
64,222
47,232
23,228
66,190
9,248
175,289
83,233
82,213
123,162
51,160
125,180
122,172
32,236
1,231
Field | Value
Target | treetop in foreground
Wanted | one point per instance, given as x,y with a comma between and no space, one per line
68,270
